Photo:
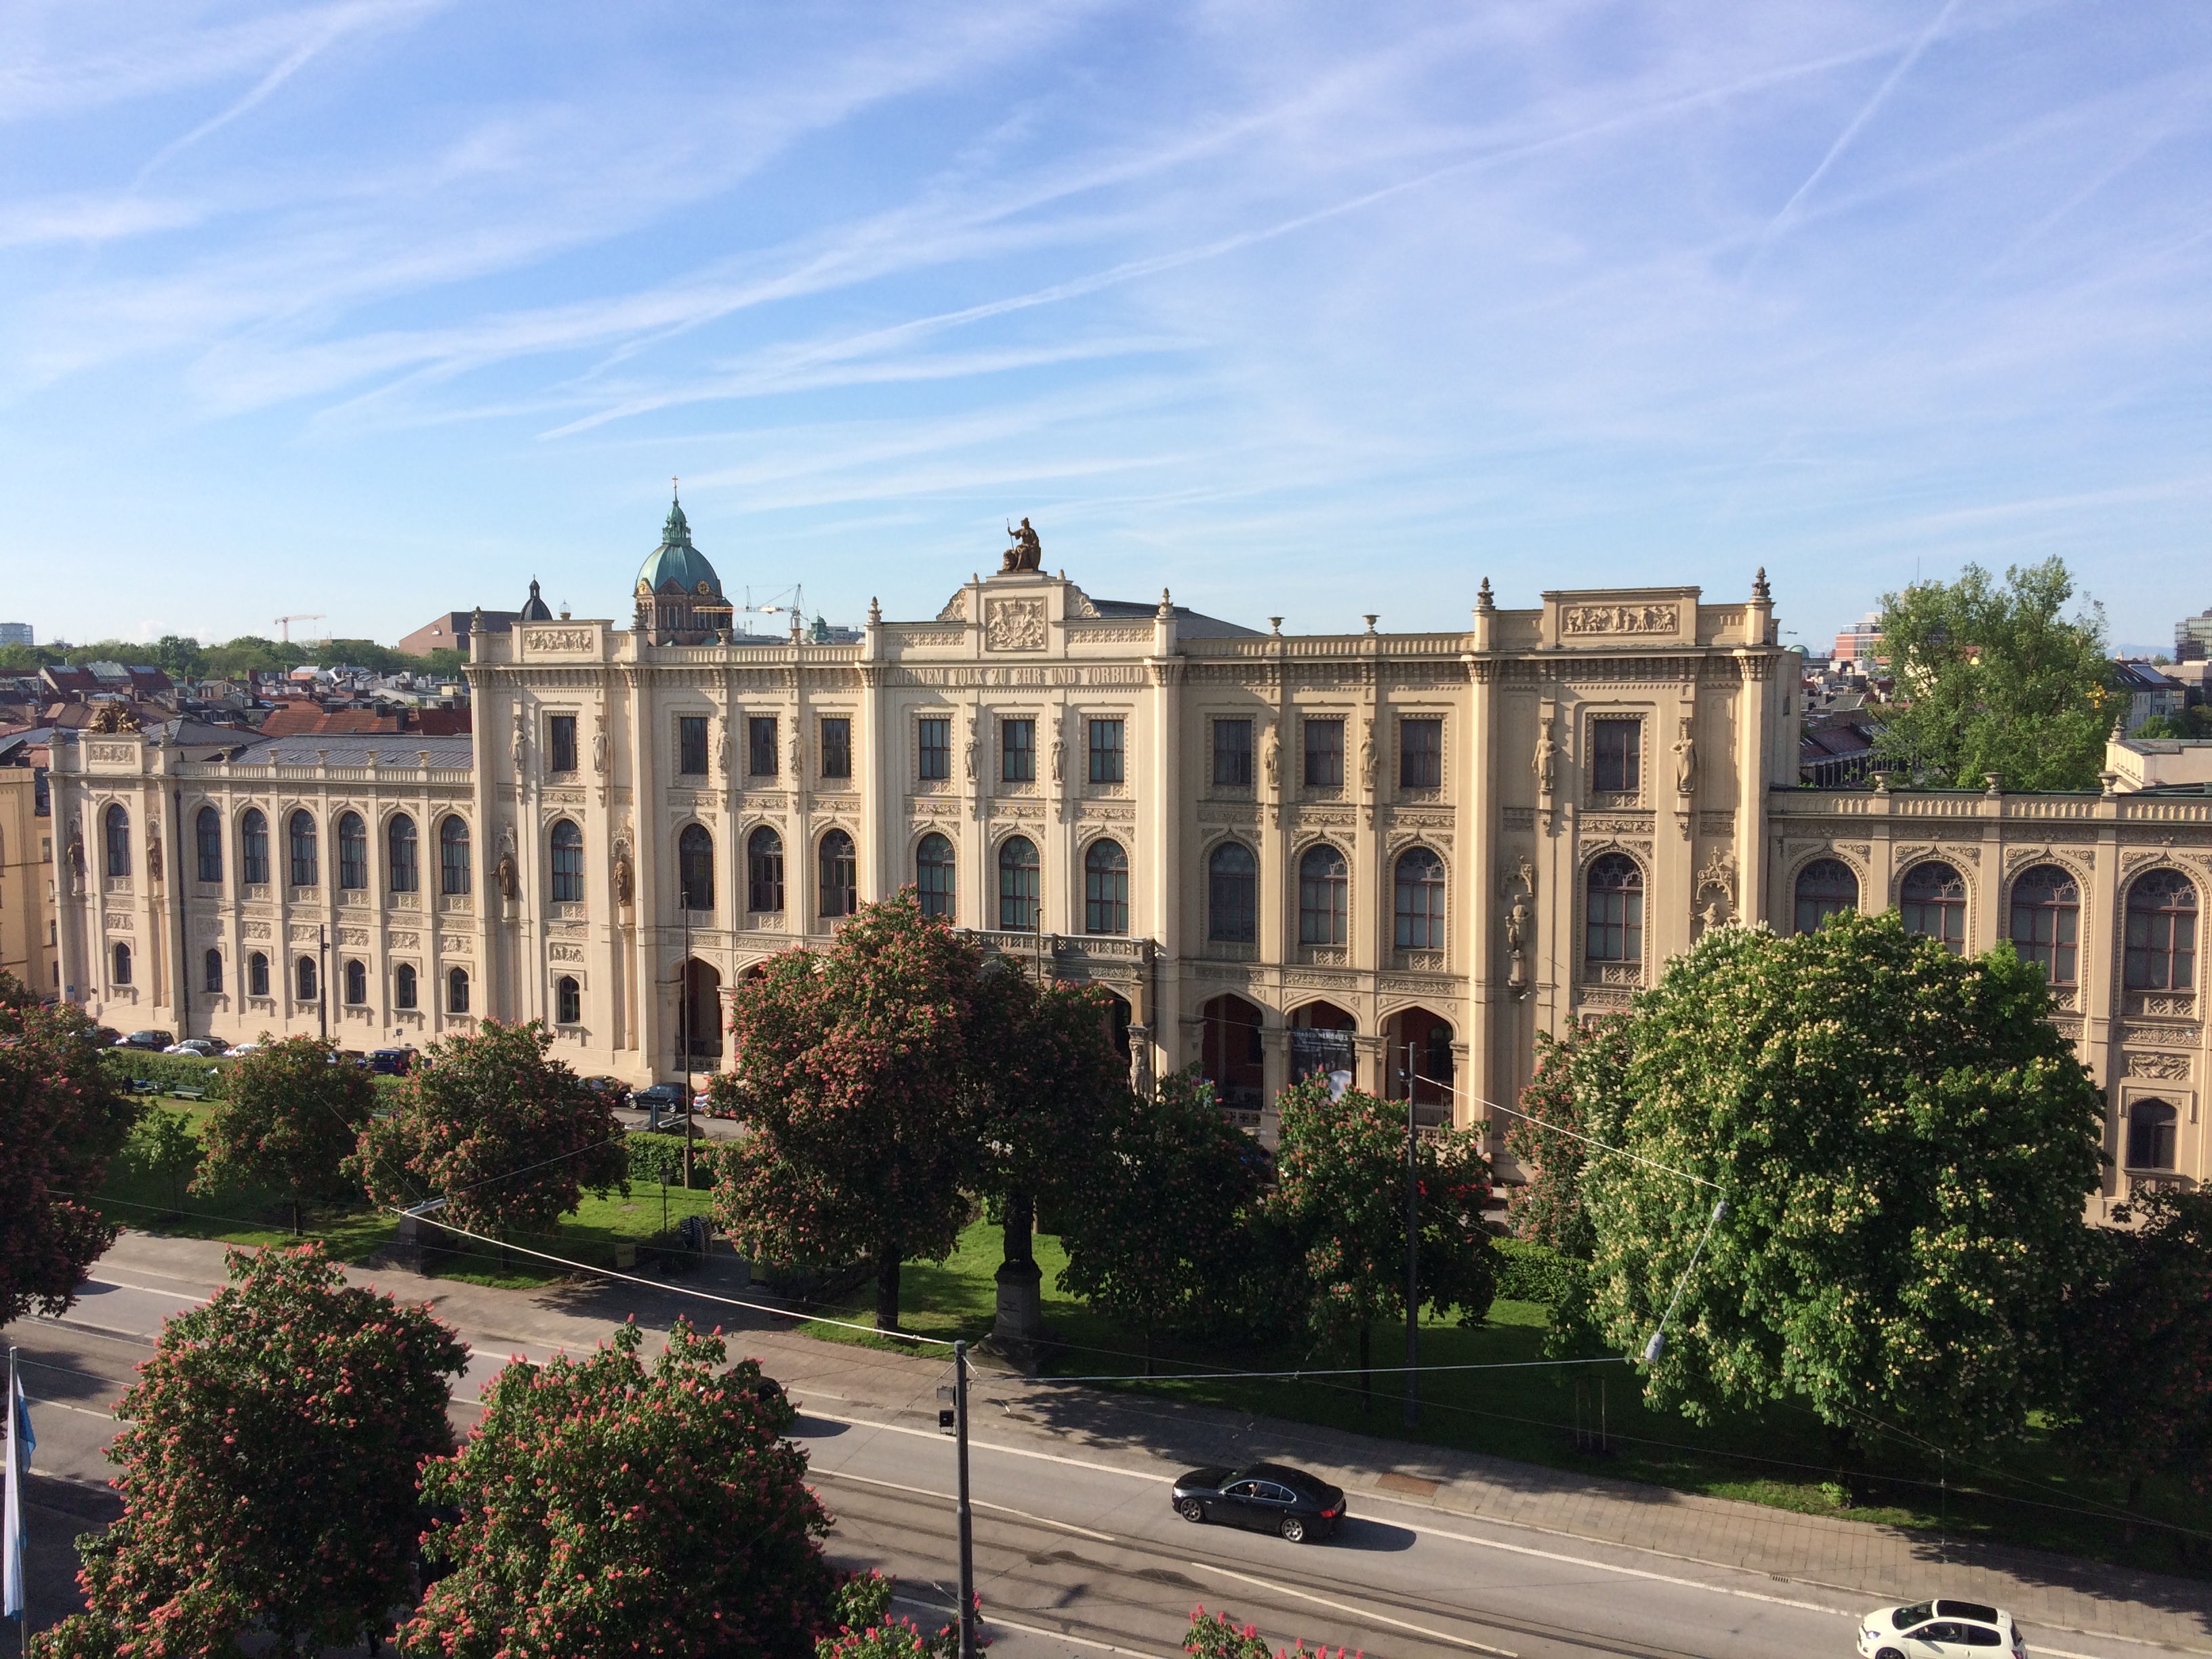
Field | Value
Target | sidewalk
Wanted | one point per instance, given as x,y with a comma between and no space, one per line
1859,1565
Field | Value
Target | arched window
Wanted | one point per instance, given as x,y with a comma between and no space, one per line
1826,888
2150,1135
2161,951
694,868
841,875
257,976
1105,888
933,876
568,863
764,871
1420,906
406,868
402,986
305,855
1614,918
208,833
457,990
253,848
454,875
1233,895
118,824
212,971
1020,885
1324,897
1933,898
2046,918
353,852
307,985
356,983
121,974
567,1001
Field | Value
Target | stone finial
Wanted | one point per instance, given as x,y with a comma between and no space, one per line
1166,612
2110,782
1993,789
1371,621
1483,598
875,611
1275,625
1760,593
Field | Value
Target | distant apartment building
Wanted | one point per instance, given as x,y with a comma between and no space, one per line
2148,692
2191,634
17,633
1860,643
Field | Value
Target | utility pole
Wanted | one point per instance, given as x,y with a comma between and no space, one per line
684,1030
1412,1247
323,979
969,1647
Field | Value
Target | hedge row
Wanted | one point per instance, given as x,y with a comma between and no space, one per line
170,1071
659,1158
1529,1272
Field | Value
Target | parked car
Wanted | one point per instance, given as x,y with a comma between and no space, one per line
239,1050
658,1100
154,1042
1261,1497
391,1062
1940,1630
611,1090
199,1047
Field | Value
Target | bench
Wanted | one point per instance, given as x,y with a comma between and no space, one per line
144,1085
188,1094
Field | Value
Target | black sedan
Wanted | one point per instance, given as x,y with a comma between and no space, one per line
1261,1497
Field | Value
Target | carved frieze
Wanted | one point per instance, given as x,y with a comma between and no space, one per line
1228,811
1717,823
253,930
400,941
303,934
2164,1069
1617,823
353,936
1014,625
2157,1005
1518,818
2171,1037
932,636
564,952
956,608
1401,985
1106,636
1312,980
559,639
1222,971
122,752
118,921
1584,620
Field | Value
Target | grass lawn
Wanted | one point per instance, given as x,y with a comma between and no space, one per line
1550,1414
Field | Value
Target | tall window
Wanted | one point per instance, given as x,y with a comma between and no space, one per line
1232,893
2162,948
1105,888
1826,888
841,875
1614,930
760,746
837,747
2046,916
1420,754
121,972
253,849
1617,757
691,745
1105,753
453,874
568,863
208,832
117,823
567,1001
306,855
1324,894
401,855
1232,754
212,967
1324,754
932,875
935,736
356,983
2151,1125
694,868
1421,886
257,976
764,871
353,852
1933,899
457,990
561,738
307,983
402,986
1020,884
1017,751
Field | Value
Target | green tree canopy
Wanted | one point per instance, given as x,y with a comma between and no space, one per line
607,1508
290,1115
1585,1064
61,1120
511,1139
1905,1143
268,1459
1997,680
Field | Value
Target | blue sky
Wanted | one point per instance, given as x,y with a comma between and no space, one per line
379,308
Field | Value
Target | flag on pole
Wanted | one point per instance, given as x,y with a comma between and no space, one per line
21,1443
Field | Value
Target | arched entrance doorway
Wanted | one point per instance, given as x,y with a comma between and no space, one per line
699,1012
1417,1045
1231,1058
1321,1043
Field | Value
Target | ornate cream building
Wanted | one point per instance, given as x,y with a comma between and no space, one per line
1399,854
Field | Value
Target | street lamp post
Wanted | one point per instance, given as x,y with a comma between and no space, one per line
323,979
1413,1246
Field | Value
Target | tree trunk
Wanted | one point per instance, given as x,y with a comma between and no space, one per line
1367,1376
295,1215
887,1286
2134,1496
1844,1447
1020,1227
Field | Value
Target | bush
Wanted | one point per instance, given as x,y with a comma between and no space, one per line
658,1158
170,1071
1529,1272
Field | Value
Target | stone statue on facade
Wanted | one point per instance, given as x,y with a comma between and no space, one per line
1025,554
75,852
1058,759
112,718
726,750
974,747
1686,761
1271,758
521,744
154,853
625,875
1520,934
506,872
599,746
1546,761
1367,754
798,752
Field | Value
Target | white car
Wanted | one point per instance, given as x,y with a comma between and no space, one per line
1940,1630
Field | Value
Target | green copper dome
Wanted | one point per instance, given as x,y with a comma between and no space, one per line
677,562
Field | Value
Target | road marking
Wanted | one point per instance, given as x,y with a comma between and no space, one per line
63,1405
1355,1612
148,1289
976,1502
1030,1630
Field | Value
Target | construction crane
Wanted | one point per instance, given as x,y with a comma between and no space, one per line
285,622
